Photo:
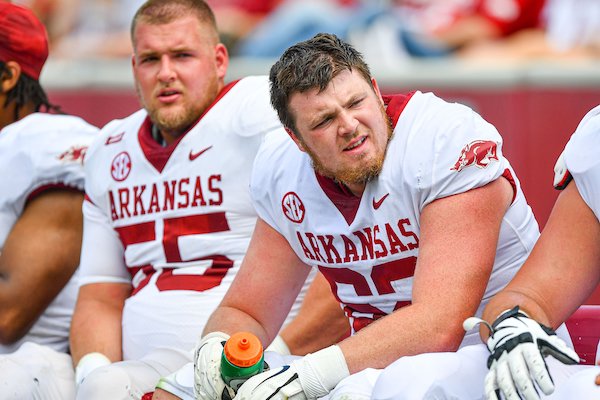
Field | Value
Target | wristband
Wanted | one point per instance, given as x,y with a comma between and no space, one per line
322,371
279,345
87,364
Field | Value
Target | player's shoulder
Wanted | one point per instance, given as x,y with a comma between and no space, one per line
41,137
437,142
433,128
581,152
117,132
277,156
244,108
38,126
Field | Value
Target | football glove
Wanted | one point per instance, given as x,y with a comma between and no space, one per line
307,378
208,383
518,345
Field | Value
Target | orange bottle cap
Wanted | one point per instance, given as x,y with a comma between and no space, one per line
243,349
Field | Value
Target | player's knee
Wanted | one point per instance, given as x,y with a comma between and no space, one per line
110,382
16,381
358,386
411,377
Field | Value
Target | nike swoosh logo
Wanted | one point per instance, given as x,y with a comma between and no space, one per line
378,203
193,155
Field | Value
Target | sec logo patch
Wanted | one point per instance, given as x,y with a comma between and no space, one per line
121,166
292,207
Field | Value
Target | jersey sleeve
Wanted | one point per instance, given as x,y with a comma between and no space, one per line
275,152
101,252
581,159
57,161
258,116
458,151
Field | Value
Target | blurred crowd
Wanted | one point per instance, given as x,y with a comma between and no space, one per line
386,31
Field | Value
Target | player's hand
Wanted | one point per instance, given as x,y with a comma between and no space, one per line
307,378
208,383
518,346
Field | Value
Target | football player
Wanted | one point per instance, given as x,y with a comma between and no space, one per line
405,203
41,192
526,317
542,295
167,215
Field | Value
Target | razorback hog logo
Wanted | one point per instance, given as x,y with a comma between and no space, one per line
75,153
479,153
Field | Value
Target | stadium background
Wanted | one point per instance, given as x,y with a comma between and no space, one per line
535,106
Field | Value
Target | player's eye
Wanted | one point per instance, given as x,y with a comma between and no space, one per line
148,59
322,123
356,103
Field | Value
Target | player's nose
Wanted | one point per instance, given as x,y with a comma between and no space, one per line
166,72
348,124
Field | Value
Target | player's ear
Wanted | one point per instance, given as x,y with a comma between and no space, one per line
10,76
294,138
221,60
376,89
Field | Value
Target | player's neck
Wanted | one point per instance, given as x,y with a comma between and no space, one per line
157,136
10,114
355,189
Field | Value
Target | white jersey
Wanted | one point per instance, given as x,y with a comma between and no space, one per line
367,247
41,152
175,222
581,159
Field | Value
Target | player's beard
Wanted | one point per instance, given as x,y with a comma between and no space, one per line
356,174
174,122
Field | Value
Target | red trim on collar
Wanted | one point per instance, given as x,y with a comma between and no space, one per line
395,104
158,155
342,198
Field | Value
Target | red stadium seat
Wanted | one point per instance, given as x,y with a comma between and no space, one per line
584,327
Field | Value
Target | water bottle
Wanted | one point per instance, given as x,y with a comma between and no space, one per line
242,358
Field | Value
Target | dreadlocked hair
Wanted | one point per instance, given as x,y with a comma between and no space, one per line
27,90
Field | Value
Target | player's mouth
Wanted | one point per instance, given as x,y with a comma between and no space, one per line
355,144
168,95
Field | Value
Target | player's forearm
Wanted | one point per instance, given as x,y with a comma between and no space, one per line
322,331
231,320
96,324
409,331
96,331
320,322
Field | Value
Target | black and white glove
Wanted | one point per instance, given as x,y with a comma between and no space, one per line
518,345
307,378
208,383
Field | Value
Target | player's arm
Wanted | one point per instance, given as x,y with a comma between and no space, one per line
561,271
458,241
96,324
563,268
257,301
39,257
319,323
264,289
